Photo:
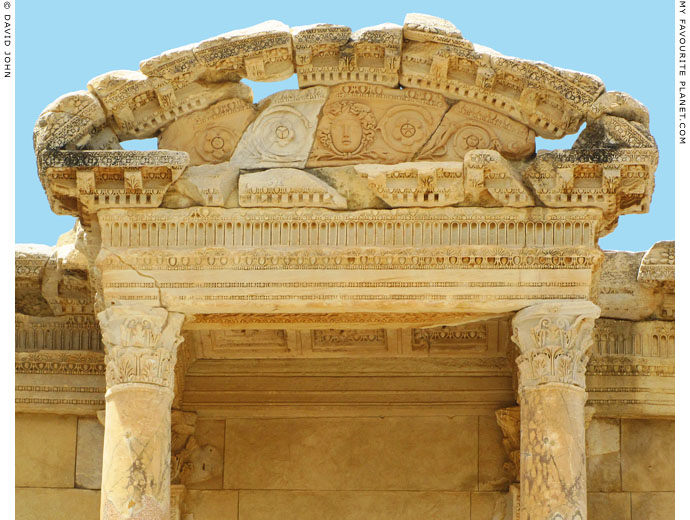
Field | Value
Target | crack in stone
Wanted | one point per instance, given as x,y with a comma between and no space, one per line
155,282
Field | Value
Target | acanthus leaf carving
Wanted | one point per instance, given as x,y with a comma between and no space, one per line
141,344
554,340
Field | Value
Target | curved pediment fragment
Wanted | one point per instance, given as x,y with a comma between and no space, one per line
211,135
330,54
283,132
468,126
262,52
140,106
417,97
362,123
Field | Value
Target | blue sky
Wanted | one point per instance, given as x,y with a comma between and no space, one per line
629,45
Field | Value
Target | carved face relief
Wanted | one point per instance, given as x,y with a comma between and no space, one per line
346,133
349,129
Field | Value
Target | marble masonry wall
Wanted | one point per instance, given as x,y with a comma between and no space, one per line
343,467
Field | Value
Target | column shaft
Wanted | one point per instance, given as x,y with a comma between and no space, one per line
141,345
554,341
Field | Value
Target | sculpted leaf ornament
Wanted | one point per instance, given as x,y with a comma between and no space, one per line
554,340
141,344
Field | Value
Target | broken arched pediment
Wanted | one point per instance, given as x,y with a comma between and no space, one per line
381,95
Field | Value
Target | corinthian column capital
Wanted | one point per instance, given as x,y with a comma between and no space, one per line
141,344
554,341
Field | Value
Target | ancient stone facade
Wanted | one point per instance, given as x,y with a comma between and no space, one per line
365,298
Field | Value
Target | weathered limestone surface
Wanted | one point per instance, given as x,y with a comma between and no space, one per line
56,504
89,457
387,505
387,456
45,450
346,259
206,185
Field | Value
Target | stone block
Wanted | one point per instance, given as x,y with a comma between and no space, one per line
491,506
608,506
492,456
344,505
400,453
89,453
56,504
653,506
211,505
647,455
287,188
283,132
45,450
603,455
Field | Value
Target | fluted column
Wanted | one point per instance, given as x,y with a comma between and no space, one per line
554,341
141,351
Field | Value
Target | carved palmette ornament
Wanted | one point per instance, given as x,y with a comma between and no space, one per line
141,344
554,341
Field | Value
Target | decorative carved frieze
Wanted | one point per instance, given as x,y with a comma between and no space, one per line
141,344
416,184
632,368
287,188
80,183
483,179
646,339
353,114
426,28
483,338
469,126
611,167
60,362
554,341
551,101
34,333
658,266
139,106
69,122
283,132
29,263
209,135
262,52
490,178
394,253
474,340
59,381
330,54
